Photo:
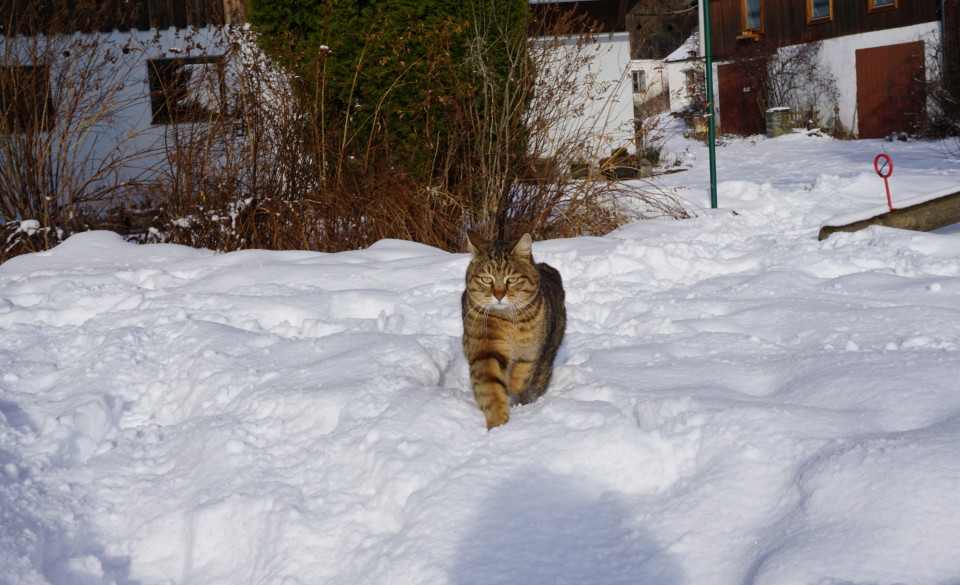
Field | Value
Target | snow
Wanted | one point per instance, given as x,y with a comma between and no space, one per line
691,46
735,402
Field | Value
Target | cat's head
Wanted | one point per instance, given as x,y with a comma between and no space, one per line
501,275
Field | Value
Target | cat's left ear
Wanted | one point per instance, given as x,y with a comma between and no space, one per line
523,247
474,243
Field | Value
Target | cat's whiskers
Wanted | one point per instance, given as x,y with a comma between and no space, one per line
523,312
480,311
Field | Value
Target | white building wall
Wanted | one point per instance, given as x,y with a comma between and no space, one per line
677,78
839,57
679,67
604,92
151,45
655,77
115,122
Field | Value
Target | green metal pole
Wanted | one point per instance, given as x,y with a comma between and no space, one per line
711,111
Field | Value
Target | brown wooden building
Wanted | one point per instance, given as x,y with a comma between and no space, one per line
878,47
791,22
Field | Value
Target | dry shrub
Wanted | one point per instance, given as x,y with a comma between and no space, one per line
534,188
792,77
24,237
942,114
61,160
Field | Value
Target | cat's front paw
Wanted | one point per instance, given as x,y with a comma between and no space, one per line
497,417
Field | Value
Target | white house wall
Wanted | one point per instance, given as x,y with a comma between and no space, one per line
170,43
127,132
838,56
655,74
605,92
677,67
677,79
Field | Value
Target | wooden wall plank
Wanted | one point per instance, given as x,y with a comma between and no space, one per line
785,21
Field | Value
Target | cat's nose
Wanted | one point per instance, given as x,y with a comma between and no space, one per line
499,295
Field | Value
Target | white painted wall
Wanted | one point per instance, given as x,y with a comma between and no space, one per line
676,72
117,122
838,56
676,66
604,91
655,74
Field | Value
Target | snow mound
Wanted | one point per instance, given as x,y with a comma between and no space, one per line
735,403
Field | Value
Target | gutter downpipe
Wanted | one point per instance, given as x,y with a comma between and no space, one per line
711,111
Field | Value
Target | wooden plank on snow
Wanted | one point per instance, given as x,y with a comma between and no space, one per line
923,217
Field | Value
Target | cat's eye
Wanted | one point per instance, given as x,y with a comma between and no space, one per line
486,280
513,280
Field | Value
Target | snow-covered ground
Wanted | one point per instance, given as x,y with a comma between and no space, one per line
735,403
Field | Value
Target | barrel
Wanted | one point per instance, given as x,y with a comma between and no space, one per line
779,121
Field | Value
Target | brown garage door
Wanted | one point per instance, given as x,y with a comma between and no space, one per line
890,93
739,112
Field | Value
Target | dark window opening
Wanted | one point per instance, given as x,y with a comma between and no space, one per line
880,5
186,89
752,15
26,103
639,81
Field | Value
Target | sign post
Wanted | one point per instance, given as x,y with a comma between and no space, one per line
884,167
711,106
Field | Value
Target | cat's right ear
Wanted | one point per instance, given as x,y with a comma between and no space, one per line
524,247
474,243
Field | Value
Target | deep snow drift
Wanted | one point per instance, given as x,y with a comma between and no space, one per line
735,403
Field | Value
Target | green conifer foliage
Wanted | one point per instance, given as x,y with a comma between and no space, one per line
389,81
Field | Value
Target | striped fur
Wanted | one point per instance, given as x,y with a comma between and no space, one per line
513,324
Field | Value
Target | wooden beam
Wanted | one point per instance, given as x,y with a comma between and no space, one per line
622,15
923,217
235,11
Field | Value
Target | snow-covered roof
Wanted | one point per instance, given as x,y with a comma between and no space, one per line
683,52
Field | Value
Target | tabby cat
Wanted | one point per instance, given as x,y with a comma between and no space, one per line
513,324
